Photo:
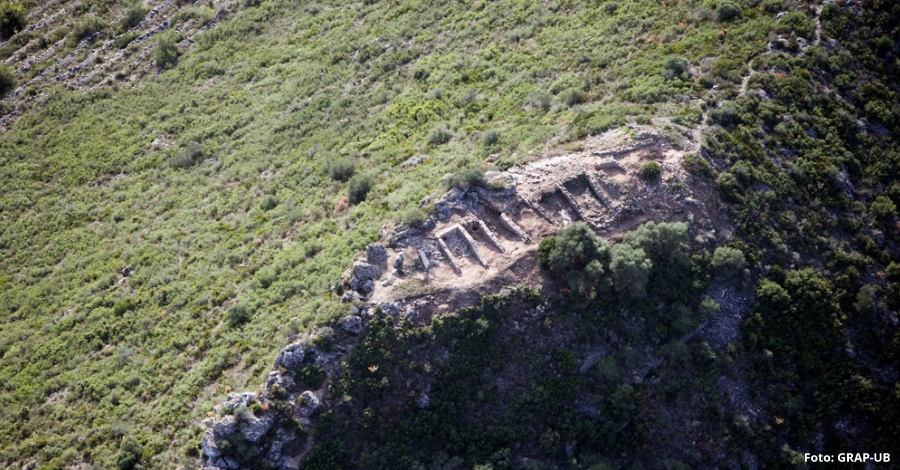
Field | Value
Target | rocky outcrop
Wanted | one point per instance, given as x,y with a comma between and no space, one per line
291,357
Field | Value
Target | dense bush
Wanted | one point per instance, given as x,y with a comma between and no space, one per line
133,16
675,65
341,170
166,52
7,80
359,188
12,19
578,257
439,135
130,453
237,316
188,155
413,217
650,172
728,11
85,28
467,176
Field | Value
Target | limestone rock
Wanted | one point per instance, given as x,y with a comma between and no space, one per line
364,271
291,357
209,445
352,324
274,380
310,404
423,401
376,254
255,427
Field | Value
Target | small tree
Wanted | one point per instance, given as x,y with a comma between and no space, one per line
359,188
439,135
675,65
728,11
728,261
237,316
12,19
7,80
630,269
884,208
466,176
166,52
650,172
130,454
341,170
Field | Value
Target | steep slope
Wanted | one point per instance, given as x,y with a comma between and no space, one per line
166,239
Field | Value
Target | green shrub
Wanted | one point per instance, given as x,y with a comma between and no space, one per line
268,202
188,155
545,248
439,135
166,52
490,138
675,65
571,96
125,39
577,256
132,17
12,19
467,176
413,217
85,29
237,316
650,172
630,268
728,11
7,80
728,261
359,188
123,305
698,166
130,453
341,170
884,208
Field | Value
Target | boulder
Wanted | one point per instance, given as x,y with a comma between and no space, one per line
423,401
352,324
364,271
274,380
311,403
224,427
255,427
209,445
376,254
366,286
389,308
398,262
349,296
291,357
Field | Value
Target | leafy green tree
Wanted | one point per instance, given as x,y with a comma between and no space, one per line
650,172
7,80
728,11
237,316
728,261
578,256
130,453
664,243
341,170
884,208
630,269
359,188
166,53
12,19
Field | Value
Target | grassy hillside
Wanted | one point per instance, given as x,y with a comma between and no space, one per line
223,183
